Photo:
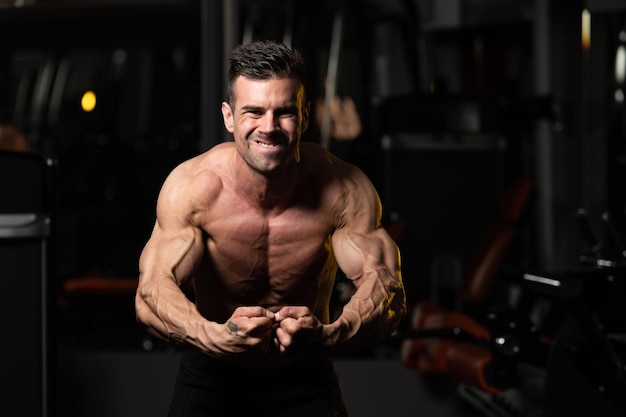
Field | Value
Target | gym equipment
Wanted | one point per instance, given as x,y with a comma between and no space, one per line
26,268
480,344
564,351
586,371
466,348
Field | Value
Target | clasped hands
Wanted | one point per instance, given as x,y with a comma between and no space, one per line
284,335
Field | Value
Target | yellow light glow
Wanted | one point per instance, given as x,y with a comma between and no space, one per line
586,29
88,101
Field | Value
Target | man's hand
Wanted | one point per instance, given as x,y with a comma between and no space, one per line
298,332
248,331
248,335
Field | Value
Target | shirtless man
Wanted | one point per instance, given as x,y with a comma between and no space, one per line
259,226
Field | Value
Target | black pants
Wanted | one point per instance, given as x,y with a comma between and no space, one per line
207,387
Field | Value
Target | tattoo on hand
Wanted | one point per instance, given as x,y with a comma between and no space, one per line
232,328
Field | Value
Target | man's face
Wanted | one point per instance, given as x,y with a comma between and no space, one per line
267,120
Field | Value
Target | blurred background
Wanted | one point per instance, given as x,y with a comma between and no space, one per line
494,131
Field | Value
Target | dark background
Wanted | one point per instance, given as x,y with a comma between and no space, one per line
490,91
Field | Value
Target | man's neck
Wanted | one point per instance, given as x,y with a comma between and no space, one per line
268,190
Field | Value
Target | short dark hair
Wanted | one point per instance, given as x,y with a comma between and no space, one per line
262,60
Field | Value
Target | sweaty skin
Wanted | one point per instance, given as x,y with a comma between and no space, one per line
259,227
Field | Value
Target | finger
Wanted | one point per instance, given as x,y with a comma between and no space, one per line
293,312
289,325
258,327
253,327
283,338
279,347
253,311
262,323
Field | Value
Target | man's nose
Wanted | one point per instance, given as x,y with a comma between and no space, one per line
270,123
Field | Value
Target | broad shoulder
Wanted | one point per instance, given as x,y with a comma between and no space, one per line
331,169
353,196
198,178
207,165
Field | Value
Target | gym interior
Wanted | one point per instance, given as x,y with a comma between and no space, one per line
494,131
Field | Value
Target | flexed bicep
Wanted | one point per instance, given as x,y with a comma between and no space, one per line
358,253
371,261
175,247
175,254
170,258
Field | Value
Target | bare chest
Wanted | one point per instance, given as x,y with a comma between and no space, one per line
274,243
270,258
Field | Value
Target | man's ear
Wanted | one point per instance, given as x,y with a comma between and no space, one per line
227,114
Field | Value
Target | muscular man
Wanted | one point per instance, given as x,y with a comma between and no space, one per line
259,226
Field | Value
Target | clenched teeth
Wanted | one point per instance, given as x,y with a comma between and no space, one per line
267,145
